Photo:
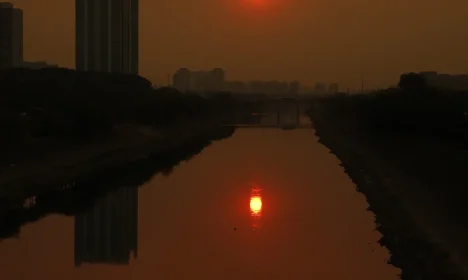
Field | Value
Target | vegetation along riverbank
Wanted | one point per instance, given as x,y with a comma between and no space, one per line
60,124
406,150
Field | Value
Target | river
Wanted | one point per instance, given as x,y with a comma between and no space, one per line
265,204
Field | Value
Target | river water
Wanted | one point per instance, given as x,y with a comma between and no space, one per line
265,204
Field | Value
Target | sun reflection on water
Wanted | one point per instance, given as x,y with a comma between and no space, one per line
256,205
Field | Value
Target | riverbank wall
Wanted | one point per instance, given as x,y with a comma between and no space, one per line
398,200
70,164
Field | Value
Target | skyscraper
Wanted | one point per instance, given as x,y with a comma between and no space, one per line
11,36
107,35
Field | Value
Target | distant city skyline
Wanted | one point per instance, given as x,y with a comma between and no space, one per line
186,79
310,41
12,39
215,79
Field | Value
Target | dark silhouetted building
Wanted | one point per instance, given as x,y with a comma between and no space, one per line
306,90
205,81
11,36
107,233
198,80
216,79
181,79
294,87
320,88
107,35
333,88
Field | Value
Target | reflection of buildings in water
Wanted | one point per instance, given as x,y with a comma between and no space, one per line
256,205
107,233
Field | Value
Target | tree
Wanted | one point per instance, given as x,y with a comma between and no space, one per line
412,82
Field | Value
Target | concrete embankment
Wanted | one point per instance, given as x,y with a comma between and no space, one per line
421,247
46,171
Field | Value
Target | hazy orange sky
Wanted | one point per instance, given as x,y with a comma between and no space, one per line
307,40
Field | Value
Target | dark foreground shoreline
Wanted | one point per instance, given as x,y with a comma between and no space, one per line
42,174
57,124
411,249
72,191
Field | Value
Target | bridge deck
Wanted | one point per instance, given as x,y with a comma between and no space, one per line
270,126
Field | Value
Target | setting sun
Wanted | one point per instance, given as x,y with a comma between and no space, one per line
255,204
259,4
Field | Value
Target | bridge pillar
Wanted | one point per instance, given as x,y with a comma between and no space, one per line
278,114
297,113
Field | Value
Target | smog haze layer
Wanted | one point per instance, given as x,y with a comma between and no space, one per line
308,40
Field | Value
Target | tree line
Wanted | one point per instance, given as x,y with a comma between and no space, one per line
412,109
61,102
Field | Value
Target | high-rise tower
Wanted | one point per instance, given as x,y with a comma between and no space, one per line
107,35
11,36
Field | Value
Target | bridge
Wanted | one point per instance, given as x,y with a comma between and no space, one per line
272,114
283,127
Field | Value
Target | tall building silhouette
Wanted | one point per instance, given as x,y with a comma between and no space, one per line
107,35
107,233
11,36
